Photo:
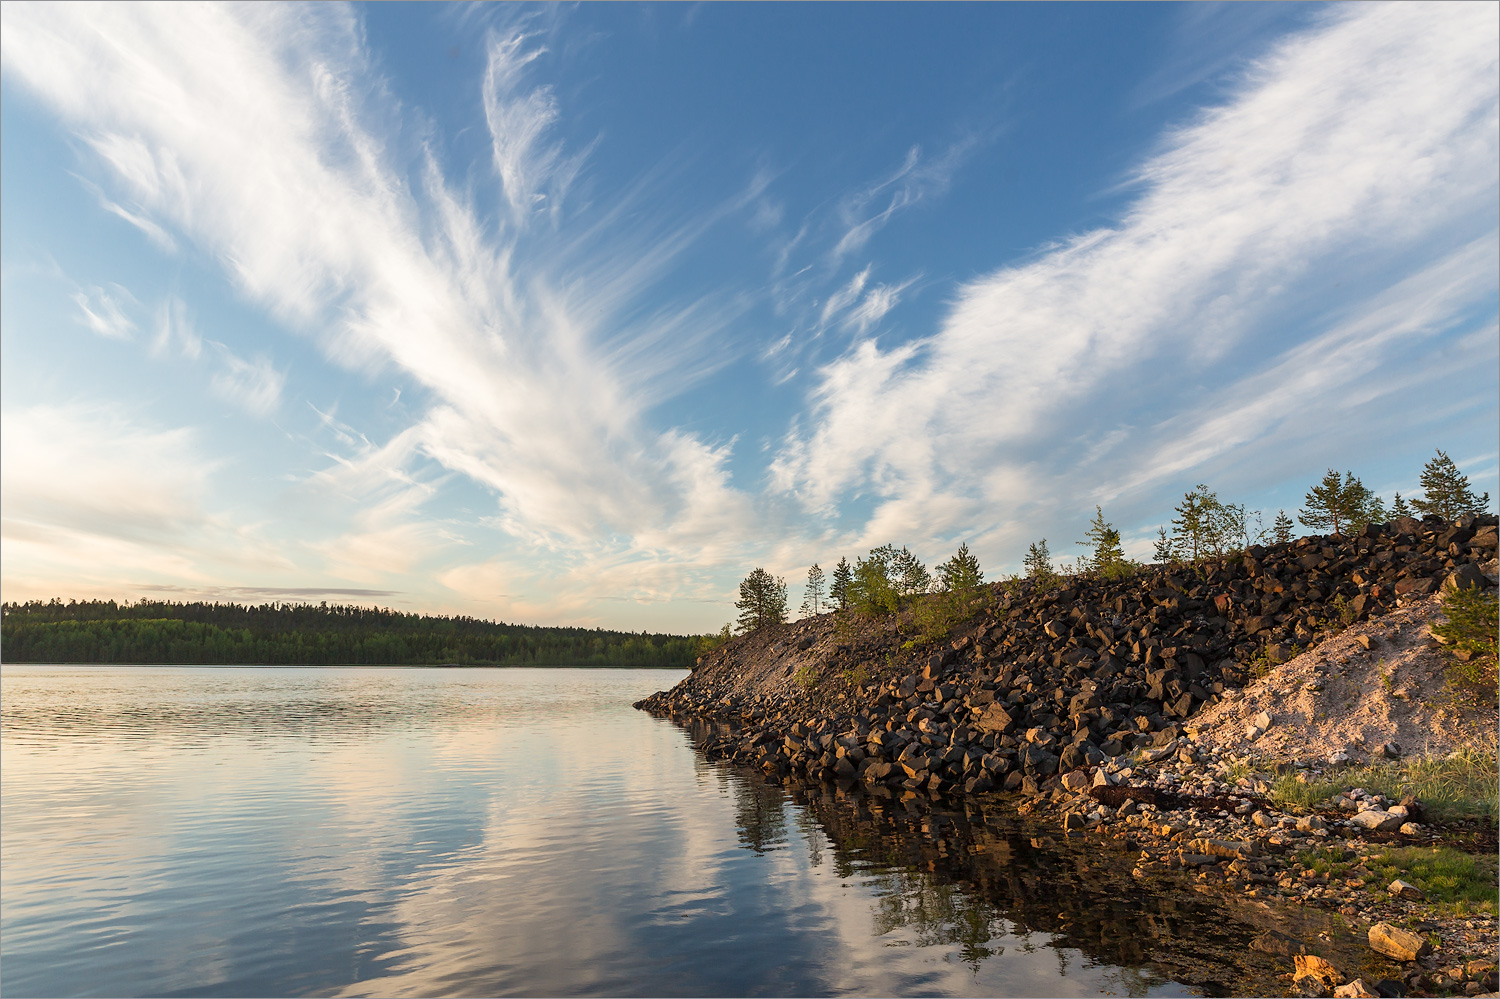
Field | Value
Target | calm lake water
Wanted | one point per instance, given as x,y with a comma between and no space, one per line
175,831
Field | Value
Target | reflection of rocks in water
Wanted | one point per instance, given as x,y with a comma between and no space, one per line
954,875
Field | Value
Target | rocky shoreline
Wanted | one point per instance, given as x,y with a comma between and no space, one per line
1074,703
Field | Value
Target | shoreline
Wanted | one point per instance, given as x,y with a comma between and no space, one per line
1074,707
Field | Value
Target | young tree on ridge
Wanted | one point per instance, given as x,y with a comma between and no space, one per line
1282,529
1399,508
762,601
1166,551
1201,526
960,574
1038,561
910,576
1447,491
812,598
1337,505
1103,542
838,590
873,588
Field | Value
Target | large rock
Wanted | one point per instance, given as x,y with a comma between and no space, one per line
1403,945
997,719
1465,577
1315,967
1076,780
1356,989
1377,821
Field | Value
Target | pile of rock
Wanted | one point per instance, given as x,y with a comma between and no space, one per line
1044,682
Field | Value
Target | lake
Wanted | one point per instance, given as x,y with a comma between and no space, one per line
306,831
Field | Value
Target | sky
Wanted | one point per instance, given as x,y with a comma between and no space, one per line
576,314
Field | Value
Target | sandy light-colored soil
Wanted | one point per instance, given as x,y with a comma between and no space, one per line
1346,697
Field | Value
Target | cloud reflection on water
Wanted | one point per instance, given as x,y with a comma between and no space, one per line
468,832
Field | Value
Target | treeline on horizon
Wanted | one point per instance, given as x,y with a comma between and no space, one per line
167,633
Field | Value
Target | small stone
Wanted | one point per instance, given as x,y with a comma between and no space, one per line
1102,779
1263,720
1339,758
1262,820
1391,750
1310,823
1366,642
1356,989
1410,828
1253,732
1404,889
1403,945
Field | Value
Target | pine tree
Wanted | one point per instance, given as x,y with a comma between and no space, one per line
961,573
1166,551
762,601
1282,529
1399,508
1038,561
1339,505
910,576
812,597
1103,542
1199,527
1447,492
838,590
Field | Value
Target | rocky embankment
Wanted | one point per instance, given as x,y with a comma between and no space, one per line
1081,698
1040,683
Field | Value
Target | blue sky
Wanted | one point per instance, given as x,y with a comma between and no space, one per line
576,314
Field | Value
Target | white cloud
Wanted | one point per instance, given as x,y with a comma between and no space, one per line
254,385
85,470
174,327
1359,149
103,311
844,297
242,130
518,119
865,212
880,300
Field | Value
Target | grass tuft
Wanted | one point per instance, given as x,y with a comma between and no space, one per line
1461,785
1456,882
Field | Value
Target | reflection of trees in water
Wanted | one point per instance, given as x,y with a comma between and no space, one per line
812,834
938,914
759,814
952,876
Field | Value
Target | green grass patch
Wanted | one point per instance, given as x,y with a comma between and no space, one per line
1291,791
1457,883
1461,785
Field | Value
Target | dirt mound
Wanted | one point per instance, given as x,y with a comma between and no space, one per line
1378,684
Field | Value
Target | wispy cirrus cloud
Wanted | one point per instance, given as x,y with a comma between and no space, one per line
103,310
242,131
865,212
254,385
1375,128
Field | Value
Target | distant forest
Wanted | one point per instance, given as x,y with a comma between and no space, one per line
180,634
